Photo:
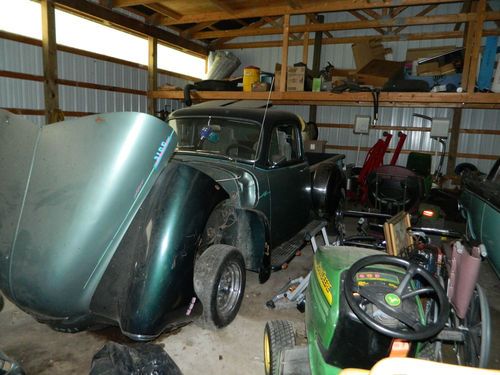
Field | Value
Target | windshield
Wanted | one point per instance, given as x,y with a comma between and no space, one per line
234,138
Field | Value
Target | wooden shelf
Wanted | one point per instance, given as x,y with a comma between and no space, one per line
386,99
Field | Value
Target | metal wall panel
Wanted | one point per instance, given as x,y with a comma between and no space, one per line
25,58
340,55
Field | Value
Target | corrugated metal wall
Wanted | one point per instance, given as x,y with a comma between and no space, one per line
20,57
25,58
340,55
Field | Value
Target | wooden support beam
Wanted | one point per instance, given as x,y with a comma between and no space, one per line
198,27
357,39
305,45
359,16
373,14
474,32
466,7
477,28
313,18
284,52
49,55
311,7
152,72
396,11
349,25
163,10
219,42
454,139
271,21
98,12
425,11
223,5
387,99
313,109
129,3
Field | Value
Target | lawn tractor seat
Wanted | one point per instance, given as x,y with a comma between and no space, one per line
392,188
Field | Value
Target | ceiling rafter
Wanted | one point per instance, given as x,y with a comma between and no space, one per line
222,5
425,11
129,3
198,27
359,16
95,11
313,7
357,39
349,25
277,23
313,18
466,8
373,14
255,25
164,11
396,11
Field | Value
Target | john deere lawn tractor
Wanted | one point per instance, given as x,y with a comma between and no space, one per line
362,306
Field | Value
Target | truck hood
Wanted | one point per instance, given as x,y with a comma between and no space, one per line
68,192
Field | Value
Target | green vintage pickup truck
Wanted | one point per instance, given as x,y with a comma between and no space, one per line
480,203
124,219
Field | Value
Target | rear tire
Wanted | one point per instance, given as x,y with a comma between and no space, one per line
219,283
474,351
278,336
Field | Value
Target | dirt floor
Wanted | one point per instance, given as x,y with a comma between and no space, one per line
237,349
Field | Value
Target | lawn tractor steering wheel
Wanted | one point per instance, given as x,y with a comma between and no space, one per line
391,300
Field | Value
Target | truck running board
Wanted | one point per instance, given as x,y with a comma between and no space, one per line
284,253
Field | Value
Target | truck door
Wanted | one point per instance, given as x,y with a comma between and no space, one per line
289,183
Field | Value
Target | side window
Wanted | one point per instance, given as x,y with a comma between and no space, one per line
284,145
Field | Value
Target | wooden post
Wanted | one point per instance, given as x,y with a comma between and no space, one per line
49,55
478,33
284,52
472,38
318,36
454,138
152,72
305,46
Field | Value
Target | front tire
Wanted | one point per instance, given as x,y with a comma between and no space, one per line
219,283
278,336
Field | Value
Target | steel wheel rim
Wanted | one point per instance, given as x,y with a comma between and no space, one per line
229,289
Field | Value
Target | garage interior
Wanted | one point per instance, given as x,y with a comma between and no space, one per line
357,70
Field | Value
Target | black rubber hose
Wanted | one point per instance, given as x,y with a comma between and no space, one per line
187,94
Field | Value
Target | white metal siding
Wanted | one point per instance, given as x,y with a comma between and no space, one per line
25,58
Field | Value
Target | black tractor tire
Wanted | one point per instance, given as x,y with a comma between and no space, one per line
1,302
219,283
278,336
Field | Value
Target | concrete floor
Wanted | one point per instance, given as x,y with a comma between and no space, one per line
237,349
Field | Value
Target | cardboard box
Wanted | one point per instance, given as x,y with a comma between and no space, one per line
378,72
314,146
421,53
295,78
364,52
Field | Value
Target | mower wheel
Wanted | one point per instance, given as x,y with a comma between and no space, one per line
278,336
219,283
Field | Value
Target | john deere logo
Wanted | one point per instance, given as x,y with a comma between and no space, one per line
392,299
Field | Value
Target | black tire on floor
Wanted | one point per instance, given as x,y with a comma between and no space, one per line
474,351
278,336
219,283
